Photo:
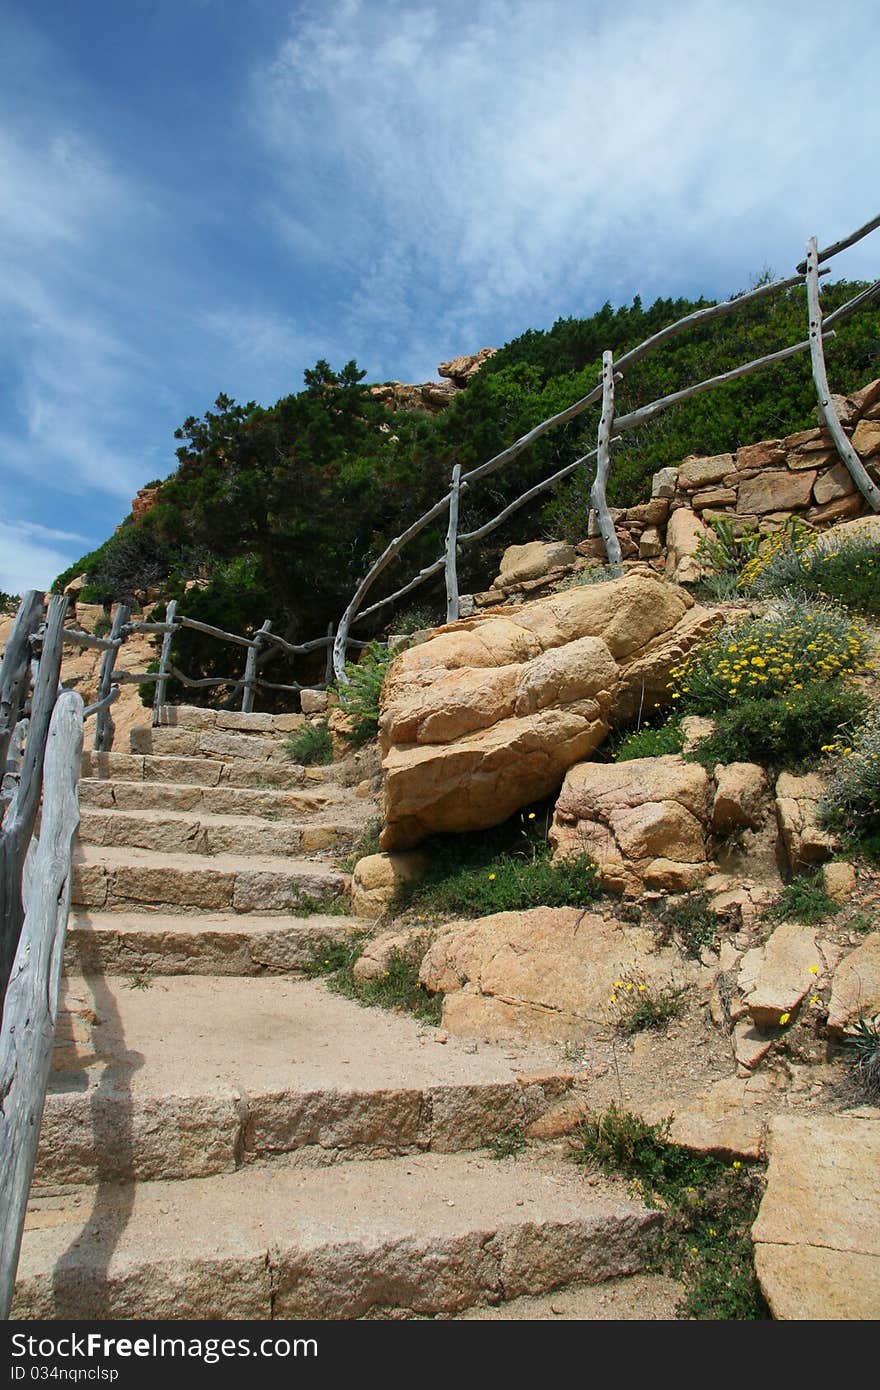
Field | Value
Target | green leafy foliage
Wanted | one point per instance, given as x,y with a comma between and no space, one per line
311,746
475,884
709,1207
848,571
690,918
804,900
724,549
864,1043
360,696
651,741
784,731
852,795
398,987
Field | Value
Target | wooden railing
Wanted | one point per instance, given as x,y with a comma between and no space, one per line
611,427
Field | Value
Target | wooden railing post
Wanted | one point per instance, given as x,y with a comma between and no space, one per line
104,721
16,668
250,670
857,470
452,602
164,662
31,1007
603,464
328,667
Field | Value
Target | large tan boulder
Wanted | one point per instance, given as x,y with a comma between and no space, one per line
532,561
545,973
855,991
489,713
378,878
642,821
817,1236
804,840
775,977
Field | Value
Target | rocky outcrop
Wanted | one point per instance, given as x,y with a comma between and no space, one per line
432,397
379,878
460,369
855,991
545,973
145,500
776,977
817,1236
643,822
805,842
490,713
532,561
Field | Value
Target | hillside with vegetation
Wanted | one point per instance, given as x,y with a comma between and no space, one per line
281,509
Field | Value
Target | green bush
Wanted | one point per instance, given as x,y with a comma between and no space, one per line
724,550
398,989
848,572
784,731
864,1042
650,742
778,653
851,802
475,879
312,746
691,918
804,900
360,697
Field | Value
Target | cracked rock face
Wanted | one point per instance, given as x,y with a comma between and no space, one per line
544,973
642,821
489,714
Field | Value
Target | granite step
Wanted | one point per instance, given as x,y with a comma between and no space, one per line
187,1076
107,876
159,942
205,772
181,832
422,1235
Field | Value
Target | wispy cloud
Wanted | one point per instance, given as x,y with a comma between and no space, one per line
28,560
521,158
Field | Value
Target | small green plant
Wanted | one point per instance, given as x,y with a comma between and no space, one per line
691,919
803,900
782,731
727,549
505,883
851,802
640,1006
418,618
651,741
776,654
140,979
591,574
507,1144
398,987
367,843
864,1043
359,695
102,627
325,904
846,571
860,923
709,1207
311,746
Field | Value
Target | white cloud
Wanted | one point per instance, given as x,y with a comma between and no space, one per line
522,159
27,559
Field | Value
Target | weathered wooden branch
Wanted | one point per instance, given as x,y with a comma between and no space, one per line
423,575
294,689
649,412
73,636
160,692
104,727
853,463
18,824
107,701
31,1008
452,605
250,669
839,246
15,671
598,495
488,526
858,301
328,666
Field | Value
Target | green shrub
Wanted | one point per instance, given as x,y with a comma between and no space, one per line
592,574
848,571
691,919
776,654
312,746
782,732
102,627
640,1006
724,551
851,802
360,697
804,900
475,879
709,1208
864,1042
507,1144
650,742
397,989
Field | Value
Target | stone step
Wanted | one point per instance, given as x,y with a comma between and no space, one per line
221,744
179,832
104,794
430,1234
192,1076
204,772
112,876
231,721
160,943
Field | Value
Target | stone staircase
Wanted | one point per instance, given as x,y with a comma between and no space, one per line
224,1138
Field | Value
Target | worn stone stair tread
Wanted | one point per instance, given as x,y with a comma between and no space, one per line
194,832
106,794
121,856
195,1074
210,772
159,942
424,1234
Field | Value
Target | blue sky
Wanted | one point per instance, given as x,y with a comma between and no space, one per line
208,195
